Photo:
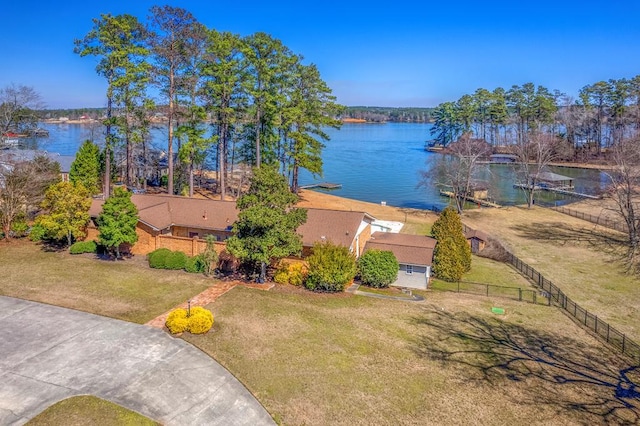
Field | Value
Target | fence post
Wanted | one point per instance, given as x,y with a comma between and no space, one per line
487,290
458,286
519,294
596,323
607,332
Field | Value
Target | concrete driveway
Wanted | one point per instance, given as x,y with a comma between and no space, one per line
49,353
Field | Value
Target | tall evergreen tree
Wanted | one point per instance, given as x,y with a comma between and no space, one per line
118,220
266,227
311,107
173,29
267,58
452,255
85,169
112,39
224,92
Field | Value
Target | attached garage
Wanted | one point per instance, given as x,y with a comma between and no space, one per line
414,254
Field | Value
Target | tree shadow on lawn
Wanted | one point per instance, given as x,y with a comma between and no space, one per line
573,377
562,233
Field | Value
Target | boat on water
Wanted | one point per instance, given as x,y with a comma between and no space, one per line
10,141
433,146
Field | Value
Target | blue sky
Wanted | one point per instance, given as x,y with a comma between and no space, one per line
410,53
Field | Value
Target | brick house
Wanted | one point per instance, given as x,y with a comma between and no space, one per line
413,252
181,223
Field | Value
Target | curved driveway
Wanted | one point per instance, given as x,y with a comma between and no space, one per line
49,353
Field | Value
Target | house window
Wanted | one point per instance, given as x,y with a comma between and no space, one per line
193,234
409,270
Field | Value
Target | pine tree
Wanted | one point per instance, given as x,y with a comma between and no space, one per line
118,220
85,169
267,222
452,255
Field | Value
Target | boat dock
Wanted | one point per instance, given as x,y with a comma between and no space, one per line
323,185
484,203
559,190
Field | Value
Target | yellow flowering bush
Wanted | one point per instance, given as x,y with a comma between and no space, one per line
199,320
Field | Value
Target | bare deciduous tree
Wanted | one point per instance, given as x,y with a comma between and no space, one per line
624,190
458,168
534,156
22,187
18,105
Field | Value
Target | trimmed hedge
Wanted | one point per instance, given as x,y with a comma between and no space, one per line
166,259
157,258
200,321
80,247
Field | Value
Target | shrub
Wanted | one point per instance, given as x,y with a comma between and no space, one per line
176,260
19,228
331,267
158,258
37,233
291,273
80,247
200,320
195,264
177,321
378,268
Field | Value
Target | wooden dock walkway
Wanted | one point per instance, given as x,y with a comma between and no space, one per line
560,191
484,203
323,185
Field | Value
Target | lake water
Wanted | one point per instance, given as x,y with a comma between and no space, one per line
372,162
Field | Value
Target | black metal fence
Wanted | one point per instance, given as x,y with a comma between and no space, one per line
607,223
602,329
490,290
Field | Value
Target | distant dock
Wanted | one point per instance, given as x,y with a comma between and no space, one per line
484,203
322,185
564,191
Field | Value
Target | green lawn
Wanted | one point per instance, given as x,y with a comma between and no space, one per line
126,290
89,410
322,359
578,257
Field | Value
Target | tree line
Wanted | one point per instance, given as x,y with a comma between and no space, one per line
251,99
603,114
537,127
391,114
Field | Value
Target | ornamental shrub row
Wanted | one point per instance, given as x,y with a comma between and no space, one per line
166,259
197,321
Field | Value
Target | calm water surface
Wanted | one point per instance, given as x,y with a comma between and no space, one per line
373,162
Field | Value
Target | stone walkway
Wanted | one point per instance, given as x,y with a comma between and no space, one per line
206,297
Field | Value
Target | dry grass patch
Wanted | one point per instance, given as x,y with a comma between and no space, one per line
416,221
126,290
319,359
579,257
